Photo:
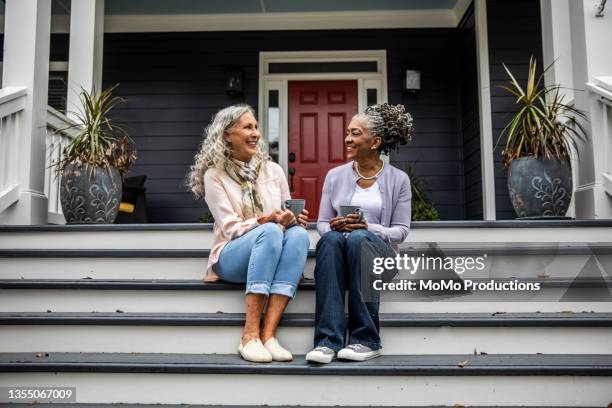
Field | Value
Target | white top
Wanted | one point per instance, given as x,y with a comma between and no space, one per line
370,201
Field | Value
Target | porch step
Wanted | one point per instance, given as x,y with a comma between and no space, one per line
567,319
195,296
199,236
386,365
459,333
68,405
410,380
525,261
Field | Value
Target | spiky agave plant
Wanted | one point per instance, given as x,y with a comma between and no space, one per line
99,141
545,126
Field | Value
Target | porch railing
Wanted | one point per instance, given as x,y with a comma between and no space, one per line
601,124
60,131
12,103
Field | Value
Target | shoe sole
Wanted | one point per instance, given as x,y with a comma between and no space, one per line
320,361
353,357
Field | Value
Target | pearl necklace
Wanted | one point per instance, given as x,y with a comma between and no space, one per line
356,167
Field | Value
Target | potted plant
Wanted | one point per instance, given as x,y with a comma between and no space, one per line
422,207
93,164
538,147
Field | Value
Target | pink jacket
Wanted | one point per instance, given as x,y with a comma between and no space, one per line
224,198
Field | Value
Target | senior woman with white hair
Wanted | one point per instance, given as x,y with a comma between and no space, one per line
255,241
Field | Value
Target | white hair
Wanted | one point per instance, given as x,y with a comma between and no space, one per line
215,150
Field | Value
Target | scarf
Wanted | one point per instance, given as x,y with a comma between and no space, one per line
246,176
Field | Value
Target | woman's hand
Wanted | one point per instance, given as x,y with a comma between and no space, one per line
354,222
337,223
303,218
284,218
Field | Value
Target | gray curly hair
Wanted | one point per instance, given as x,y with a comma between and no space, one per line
215,150
391,122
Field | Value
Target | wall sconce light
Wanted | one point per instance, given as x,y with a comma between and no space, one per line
600,8
412,80
234,81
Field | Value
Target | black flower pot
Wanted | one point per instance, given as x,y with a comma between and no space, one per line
540,188
90,198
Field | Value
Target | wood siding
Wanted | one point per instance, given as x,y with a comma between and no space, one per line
175,83
515,33
469,117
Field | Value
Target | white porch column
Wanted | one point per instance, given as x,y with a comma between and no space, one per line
27,25
557,53
86,47
484,103
591,58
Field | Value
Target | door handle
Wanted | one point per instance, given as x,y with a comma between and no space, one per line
291,174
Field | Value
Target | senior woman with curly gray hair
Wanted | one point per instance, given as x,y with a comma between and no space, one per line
255,241
382,193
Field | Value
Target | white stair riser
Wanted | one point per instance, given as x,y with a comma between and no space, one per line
299,340
235,389
195,268
203,239
179,301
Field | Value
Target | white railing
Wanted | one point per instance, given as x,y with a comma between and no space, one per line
12,103
601,124
60,131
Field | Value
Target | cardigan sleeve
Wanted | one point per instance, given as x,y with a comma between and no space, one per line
398,229
232,225
326,210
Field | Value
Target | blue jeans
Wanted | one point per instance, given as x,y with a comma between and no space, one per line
338,268
268,260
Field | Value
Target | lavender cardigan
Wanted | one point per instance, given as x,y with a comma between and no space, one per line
339,188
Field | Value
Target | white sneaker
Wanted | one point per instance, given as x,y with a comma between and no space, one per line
254,351
358,352
321,354
277,351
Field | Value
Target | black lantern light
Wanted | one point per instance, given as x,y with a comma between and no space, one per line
234,81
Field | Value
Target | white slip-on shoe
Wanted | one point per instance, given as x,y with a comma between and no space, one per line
321,354
254,351
277,351
358,352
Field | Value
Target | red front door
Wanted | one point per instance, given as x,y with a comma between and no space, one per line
319,112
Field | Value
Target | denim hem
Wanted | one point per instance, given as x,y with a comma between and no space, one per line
283,288
325,343
262,288
372,345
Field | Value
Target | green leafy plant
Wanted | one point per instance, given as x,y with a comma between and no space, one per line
422,207
99,141
206,217
544,126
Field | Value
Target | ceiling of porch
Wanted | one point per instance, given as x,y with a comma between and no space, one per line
155,7
245,15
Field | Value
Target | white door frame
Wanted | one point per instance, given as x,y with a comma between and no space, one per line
267,82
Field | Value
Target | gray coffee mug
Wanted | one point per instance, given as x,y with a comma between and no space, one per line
349,209
295,206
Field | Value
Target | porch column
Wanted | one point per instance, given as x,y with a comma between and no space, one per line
591,58
484,104
86,47
27,26
557,53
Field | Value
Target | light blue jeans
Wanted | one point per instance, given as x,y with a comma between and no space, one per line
268,260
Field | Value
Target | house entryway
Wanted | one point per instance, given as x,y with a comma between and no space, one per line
319,112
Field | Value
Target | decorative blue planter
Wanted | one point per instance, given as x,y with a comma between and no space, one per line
540,187
88,199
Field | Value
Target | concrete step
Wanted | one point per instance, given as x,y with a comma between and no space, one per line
168,296
459,333
410,380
